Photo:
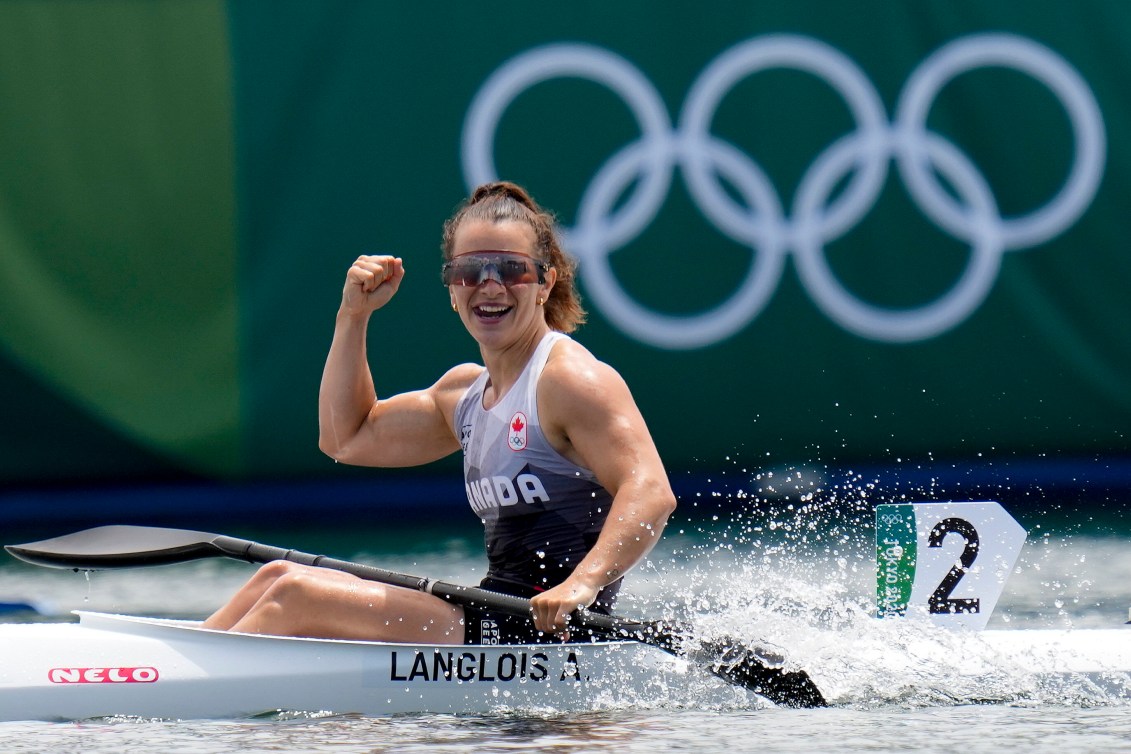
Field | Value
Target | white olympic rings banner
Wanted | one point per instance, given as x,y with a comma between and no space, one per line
761,222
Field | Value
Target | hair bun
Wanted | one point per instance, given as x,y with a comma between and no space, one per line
503,190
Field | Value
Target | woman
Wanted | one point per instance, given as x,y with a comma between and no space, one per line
558,462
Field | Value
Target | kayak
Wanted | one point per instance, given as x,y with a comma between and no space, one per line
157,668
627,659
117,665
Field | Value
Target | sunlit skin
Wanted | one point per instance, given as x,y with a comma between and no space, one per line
587,414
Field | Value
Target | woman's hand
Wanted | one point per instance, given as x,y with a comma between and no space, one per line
552,607
371,282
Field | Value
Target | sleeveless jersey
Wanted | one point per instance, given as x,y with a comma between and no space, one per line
541,512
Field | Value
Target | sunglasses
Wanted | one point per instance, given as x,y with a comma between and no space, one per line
504,267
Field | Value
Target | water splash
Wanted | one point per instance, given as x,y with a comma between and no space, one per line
789,564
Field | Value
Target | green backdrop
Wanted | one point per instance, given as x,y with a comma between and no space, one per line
184,184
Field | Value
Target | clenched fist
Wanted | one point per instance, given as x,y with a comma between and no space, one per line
371,282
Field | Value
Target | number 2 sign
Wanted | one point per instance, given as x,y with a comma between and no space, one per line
950,560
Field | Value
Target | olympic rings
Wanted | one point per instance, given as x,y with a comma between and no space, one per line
970,215
891,519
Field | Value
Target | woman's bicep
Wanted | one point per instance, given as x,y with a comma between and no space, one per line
605,430
408,429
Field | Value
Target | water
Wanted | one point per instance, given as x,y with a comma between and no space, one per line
939,729
800,577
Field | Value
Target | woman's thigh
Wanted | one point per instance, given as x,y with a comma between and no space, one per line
308,601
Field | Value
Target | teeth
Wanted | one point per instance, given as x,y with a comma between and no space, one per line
492,309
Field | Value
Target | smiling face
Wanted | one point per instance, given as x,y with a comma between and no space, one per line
496,315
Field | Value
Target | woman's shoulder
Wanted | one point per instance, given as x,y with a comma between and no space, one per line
455,383
573,367
460,377
450,389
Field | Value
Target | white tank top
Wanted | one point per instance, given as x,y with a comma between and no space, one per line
541,512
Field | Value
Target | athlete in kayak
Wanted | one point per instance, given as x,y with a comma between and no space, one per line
558,462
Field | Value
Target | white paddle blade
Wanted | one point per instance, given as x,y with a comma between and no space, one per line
948,561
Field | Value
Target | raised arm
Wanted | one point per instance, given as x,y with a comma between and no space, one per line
354,425
593,420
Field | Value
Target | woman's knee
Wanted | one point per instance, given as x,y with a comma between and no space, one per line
306,586
287,584
271,573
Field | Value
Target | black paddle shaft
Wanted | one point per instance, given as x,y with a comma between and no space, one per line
130,546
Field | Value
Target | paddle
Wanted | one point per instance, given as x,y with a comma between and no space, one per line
128,546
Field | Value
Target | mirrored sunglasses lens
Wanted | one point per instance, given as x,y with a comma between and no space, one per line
517,271
462,272
472,271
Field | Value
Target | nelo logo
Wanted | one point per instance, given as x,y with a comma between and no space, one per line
102,675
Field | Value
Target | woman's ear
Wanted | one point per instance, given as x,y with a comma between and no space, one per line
551,278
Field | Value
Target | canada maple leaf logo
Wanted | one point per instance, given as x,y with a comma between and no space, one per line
516,437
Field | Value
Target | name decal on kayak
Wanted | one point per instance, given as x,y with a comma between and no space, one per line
470,666
103,675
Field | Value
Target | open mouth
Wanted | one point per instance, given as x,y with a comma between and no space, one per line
491,311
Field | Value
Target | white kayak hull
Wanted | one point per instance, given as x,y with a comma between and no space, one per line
109,665
112,665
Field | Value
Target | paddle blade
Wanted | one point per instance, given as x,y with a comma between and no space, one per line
763,672
758,669
118,547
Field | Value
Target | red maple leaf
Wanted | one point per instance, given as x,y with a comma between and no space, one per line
517,425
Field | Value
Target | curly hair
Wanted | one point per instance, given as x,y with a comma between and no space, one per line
504,201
